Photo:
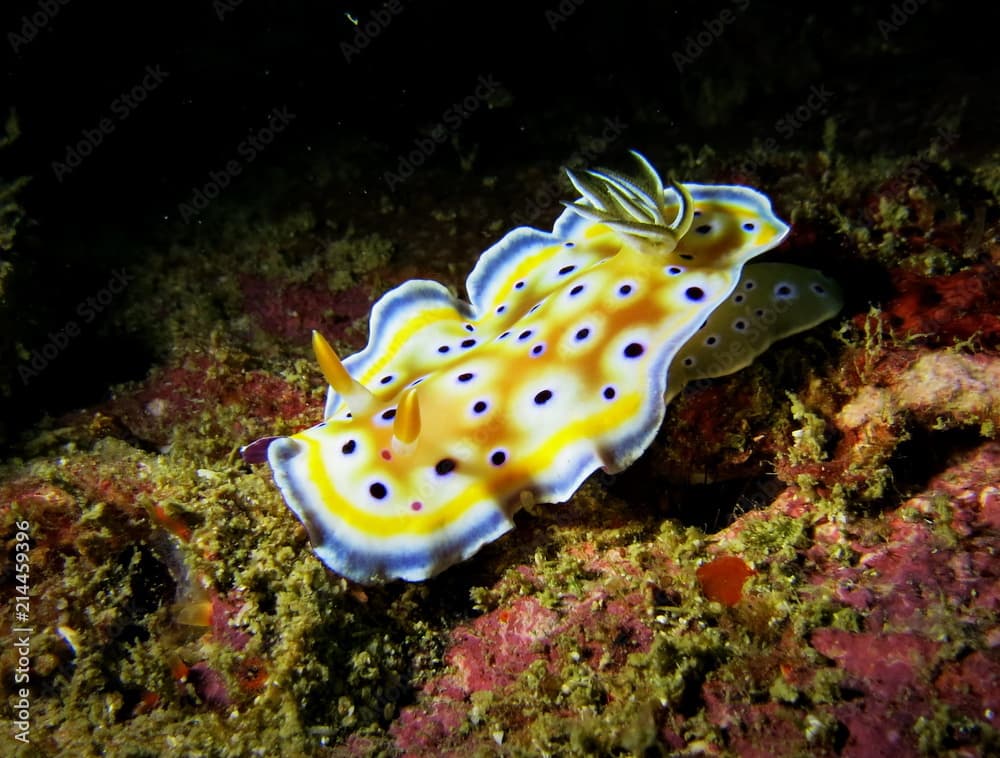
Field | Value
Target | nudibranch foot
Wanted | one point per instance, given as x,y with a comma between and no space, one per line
456,414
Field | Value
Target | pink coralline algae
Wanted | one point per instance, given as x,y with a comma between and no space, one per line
972,685
929,591
494,653
884,664
498,647
290,310
178,395
894,672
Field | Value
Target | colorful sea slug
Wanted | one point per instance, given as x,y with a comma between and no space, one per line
457,414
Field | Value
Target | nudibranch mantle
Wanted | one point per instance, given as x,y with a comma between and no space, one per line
456,414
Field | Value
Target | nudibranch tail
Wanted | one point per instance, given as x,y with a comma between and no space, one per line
456,414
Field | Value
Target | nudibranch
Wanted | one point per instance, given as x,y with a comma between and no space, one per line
456,414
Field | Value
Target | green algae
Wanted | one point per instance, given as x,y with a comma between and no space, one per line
308,634
810,439
778,537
